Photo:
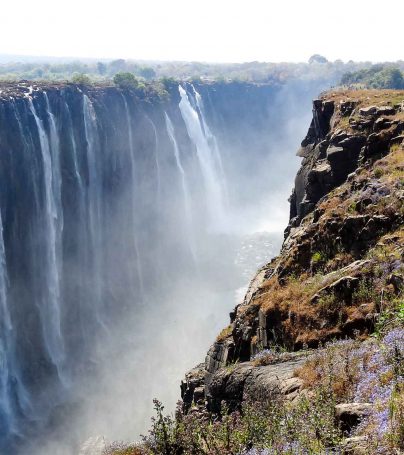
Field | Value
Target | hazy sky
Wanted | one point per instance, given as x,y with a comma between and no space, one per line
207,30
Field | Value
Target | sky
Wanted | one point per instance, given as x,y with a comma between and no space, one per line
208,30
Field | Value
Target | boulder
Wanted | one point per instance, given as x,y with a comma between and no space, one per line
193,387
349,415
356,445
239,382
376,111
368,111
342,288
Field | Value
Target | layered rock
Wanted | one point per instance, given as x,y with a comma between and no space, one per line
342,255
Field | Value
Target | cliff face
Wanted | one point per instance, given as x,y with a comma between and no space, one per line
102,191
342,257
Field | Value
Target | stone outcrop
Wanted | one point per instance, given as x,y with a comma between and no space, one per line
346,206
349,415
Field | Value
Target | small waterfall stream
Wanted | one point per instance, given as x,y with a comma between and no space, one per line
51,305
201,137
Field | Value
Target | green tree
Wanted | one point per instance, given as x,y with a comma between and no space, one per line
147,72
81,79
125,80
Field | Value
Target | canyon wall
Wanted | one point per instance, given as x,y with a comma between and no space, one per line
119,208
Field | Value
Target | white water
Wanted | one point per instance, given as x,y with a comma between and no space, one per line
50,310
134,208
210,169
156,156
6,328
184,185
212,142
94,207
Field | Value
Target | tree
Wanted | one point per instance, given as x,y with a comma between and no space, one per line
81,79
317,58
101,68
125,80
117,66
147,72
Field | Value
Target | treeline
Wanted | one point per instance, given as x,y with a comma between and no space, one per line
382,76
316,68
95,71
359,74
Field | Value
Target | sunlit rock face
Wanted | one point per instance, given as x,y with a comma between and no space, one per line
123,221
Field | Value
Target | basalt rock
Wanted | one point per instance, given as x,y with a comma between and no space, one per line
322,286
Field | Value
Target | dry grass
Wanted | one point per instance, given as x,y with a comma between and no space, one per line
367,97
224,334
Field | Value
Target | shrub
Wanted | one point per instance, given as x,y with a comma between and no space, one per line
336,366
125,80
81,79
269,427
318,257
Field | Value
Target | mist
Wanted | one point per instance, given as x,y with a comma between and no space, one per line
151,217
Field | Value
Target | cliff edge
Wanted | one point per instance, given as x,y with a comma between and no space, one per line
339,274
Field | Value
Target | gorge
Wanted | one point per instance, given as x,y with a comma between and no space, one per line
122,220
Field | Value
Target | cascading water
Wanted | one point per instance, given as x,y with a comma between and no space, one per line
211,139
6,417
50,307
134,208
184,184
201,137
110,203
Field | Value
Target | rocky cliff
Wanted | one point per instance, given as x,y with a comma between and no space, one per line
102,190
341,263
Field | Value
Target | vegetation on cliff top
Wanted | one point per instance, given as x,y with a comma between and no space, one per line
377,76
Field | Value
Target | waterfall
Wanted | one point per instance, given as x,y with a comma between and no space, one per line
184,185
133,198
94,208
82,215
5,335
50,308
156,156
201,137
115,240
212,141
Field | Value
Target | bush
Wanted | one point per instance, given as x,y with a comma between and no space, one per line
125,80
81,79
284,428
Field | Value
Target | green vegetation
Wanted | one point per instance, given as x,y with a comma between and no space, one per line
318,257
80,78
377,76
318,68
273,423
125,80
